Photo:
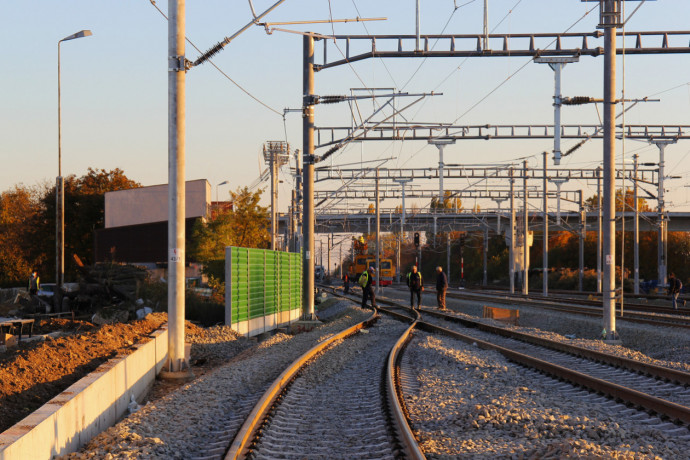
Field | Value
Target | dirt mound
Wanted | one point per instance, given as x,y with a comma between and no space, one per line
35,372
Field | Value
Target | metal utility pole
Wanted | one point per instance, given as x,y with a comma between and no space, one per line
498,201
545,256
60,190
440,144
308,173
583,231
176,185
298,201
485,279
417,27
328,259
558,182
402,183
448,255
636,237
378,237
663,223
557,64
599,229
275,155
485,40
609,20
511,265
525,249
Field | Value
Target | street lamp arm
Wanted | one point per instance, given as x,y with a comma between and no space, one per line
81,33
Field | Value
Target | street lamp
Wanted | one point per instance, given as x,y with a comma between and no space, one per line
217,186
60,193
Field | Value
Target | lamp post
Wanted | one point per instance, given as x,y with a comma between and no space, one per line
217,186
60,193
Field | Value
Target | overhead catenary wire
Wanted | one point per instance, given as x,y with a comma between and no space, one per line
240,87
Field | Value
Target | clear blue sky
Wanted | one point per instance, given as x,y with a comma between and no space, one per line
114,86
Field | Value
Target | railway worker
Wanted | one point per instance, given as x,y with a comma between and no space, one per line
674,287
34,283
366,281
416,285
441,288
346,284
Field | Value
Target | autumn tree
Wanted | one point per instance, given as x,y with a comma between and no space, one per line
591,203
84,212
449,203
19,210
245,225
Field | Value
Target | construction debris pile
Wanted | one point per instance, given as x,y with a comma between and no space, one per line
111,291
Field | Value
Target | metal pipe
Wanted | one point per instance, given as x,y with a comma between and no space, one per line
176,185
308,180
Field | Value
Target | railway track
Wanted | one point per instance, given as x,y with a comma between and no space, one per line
571,298
652,397
658,316
339,400
661,390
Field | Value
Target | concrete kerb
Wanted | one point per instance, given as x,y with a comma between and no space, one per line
89,406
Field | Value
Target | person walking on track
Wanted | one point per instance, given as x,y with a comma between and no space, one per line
366,281
674,288
441,288
416,285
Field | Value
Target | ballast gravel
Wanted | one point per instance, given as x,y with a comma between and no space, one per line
473,403
188,422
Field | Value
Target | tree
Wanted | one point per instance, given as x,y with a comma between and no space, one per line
84,212
245,225
591,203
19,210
449,203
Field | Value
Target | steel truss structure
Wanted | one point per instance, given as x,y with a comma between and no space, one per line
335,135
352,48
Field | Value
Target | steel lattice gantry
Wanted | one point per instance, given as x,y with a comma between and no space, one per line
360,47
334,135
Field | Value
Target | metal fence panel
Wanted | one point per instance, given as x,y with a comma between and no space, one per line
263,288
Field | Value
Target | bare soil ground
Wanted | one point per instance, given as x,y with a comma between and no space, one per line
36,371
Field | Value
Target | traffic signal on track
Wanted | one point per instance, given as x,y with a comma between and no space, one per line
416,239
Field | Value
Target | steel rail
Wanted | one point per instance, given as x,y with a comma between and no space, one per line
660,406
240,444
394,395
615,391
563,306
673,375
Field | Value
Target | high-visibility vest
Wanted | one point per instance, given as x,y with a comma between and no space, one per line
364,279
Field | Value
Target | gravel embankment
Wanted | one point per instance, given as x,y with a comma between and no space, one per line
472,403
662,346
198,419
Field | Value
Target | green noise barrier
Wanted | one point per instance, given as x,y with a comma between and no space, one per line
263,289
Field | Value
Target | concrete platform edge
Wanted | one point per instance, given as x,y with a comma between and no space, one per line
88,407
